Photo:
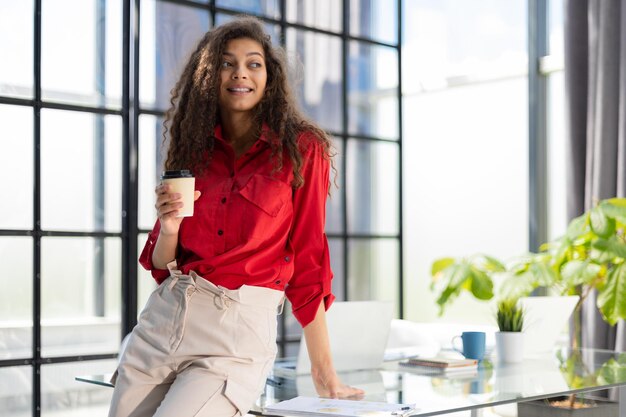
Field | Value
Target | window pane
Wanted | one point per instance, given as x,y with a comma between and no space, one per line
373,269
16,301
292,349
268,8
81,193
150,167
557,151
452,42
336,199
466,161
169,34
16,31
335,247
319,60
373,188
61,395
84,68
323,14
80,295
16,391
292,326
376,19
373,90
145,283
557,146
555,22
16,141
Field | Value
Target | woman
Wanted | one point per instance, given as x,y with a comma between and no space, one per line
206,339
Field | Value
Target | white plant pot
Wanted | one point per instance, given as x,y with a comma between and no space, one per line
510,346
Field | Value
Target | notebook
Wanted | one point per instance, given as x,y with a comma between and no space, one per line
358,332
545,320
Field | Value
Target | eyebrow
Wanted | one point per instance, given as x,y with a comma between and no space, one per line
248,54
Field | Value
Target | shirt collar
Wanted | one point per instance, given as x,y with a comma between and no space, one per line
265,130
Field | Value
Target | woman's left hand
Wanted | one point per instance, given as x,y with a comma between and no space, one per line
328,385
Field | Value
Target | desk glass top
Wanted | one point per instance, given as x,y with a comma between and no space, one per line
561,373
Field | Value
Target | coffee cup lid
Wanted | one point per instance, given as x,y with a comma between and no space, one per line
182,173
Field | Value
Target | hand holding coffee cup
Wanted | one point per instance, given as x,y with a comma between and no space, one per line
473,345
175,196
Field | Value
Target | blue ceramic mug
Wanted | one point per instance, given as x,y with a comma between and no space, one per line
473,345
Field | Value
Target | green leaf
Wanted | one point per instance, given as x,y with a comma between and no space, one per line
612,371
579,272
543,275
521,263
482,286
491,264
440,264
614,207
516,285
509,317
612,298
452,283
618,248
601,225
577,227
601,257
562,253
584,239
613,246
601,244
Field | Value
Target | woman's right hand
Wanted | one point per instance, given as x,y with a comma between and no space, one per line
168,205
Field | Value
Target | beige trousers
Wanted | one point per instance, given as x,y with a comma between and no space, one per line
197,350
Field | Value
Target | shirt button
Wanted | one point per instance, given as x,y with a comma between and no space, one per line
223,200
287,258
277,282
220,232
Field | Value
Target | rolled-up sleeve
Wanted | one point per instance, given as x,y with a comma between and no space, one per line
311,281
145,259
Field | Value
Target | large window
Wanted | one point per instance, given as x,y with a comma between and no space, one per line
486,110
465,148
82,115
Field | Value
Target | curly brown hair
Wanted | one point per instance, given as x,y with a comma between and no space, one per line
194,110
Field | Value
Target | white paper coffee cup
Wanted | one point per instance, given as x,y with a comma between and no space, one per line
183,182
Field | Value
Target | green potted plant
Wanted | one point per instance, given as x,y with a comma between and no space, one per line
509,338
590,256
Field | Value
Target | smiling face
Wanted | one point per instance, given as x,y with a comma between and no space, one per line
243,76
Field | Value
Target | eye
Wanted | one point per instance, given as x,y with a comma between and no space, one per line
256,65
226,64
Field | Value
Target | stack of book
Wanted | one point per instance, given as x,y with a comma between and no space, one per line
440,365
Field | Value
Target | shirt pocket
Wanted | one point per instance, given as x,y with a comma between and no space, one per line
266,204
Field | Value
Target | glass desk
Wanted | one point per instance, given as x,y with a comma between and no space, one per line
564,372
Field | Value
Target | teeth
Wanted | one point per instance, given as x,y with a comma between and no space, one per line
240,90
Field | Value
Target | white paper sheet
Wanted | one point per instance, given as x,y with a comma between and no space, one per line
313,406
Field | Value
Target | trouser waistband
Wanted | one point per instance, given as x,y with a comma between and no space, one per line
246,294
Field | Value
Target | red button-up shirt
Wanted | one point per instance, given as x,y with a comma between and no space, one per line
251,227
